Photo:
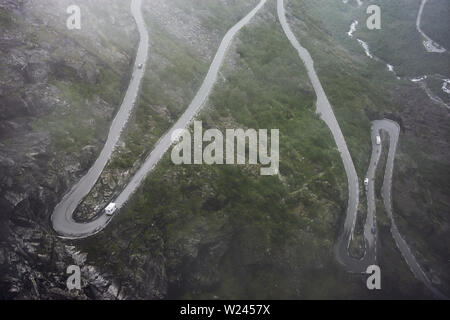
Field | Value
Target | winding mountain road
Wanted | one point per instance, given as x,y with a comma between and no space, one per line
393,129
62,217
62,220
429,44
326,113
197,103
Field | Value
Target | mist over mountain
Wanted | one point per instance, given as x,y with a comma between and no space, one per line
88,108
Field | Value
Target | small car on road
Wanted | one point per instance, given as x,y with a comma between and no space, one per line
366,182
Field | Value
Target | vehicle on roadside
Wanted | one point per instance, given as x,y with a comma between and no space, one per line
366,182
110,209
378,140
140,65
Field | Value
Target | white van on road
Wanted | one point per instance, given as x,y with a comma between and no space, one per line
110,209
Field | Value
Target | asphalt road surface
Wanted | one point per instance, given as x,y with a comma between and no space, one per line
62,218
326,113
431,46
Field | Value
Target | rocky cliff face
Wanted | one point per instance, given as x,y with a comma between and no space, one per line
46,72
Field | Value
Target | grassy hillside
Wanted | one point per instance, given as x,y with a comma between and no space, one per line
227,232
180,54
418,185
